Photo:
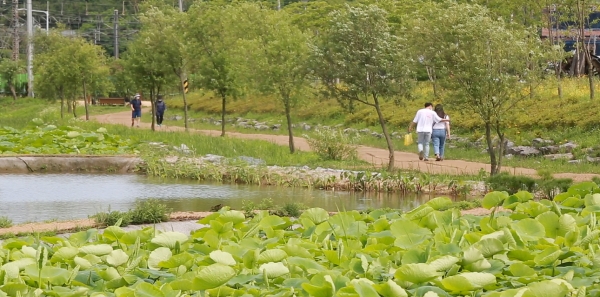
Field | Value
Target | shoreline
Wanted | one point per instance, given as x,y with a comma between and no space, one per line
60,227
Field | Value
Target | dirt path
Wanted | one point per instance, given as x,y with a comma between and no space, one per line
377,156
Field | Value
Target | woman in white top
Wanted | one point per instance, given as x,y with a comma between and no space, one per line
441,131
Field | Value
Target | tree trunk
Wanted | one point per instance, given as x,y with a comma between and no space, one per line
432,78
62,105
74,103
388,139
85,103
153,108
223,101
288,117
590,70
13,91
500,148
69,106
558,79
491,151
185,106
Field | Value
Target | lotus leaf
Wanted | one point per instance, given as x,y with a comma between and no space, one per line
117,258
493,199
169,239
222,257
416,273
273,269
408,234
315,215
468,281
213,276
159,255
273,255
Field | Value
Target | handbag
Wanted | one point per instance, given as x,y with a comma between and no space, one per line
408,139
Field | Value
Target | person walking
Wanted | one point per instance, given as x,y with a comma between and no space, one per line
441,131
136,110
160,110
424,120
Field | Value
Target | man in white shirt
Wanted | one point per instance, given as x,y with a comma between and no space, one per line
425,119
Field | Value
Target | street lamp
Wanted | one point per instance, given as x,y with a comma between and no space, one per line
30,43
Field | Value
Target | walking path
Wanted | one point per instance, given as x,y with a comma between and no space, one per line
378,157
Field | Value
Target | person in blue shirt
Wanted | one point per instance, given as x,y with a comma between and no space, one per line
136,110
160,110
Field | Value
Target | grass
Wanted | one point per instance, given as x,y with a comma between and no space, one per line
547,116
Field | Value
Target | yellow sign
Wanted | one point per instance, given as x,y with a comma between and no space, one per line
185,86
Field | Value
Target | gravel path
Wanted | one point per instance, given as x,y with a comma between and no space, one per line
377,156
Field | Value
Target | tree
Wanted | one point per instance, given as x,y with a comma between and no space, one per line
279,57
146,67
211,31
91,66
482,74
163,28
9,71
370,62
67,66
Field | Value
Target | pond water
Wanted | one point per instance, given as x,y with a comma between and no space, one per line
42,197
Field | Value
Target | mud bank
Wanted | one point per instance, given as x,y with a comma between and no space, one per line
68,164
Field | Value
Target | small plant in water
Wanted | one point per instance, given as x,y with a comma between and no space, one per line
5,222
149,211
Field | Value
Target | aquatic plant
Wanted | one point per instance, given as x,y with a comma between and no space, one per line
539,248
50,139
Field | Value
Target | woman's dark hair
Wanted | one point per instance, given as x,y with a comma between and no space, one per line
439,109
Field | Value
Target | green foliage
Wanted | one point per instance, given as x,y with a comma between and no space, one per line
293,209
149,211
332,144
510,183
40,138
5,222
541,248
110,218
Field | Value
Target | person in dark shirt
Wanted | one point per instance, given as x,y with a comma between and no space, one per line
160,110
136,110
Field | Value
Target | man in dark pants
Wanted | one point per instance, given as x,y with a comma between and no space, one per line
160,110
136,109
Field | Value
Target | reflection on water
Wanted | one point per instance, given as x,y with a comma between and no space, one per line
40,197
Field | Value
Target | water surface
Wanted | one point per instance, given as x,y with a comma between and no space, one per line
42,197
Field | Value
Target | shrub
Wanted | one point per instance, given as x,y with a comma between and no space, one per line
293,209
331,144
5,222
149,211
553,186
510,183
110,218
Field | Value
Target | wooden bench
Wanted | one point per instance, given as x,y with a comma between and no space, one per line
111,101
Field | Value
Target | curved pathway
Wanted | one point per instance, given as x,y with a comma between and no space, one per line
378,157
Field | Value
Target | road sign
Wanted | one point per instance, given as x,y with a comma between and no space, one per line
185,86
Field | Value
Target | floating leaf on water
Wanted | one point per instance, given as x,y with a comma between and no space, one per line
222,257
274,270
169,239
213,276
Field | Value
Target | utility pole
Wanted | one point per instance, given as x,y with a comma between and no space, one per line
181,5
15,7
116,34
29,49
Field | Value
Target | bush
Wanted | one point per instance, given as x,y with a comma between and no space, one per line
5,222
293,209
510,183
110,218
552,187
332,144
149,211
